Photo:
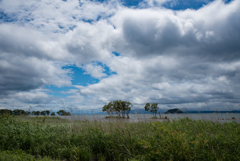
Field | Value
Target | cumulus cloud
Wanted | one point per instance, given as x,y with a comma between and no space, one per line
95,70
27,61
176,58
166,81
189,32
89,42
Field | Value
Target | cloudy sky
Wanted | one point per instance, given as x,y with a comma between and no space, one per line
81,54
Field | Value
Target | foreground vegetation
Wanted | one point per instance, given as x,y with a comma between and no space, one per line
45,138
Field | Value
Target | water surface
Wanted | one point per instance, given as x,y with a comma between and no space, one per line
220,117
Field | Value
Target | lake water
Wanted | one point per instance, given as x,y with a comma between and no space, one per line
220,117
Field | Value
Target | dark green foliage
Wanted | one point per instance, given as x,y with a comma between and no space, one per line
57,138
37,113
53,114
63,113
5,111
47,112
43,113
152,108
118,106
18,112
175,110
147,107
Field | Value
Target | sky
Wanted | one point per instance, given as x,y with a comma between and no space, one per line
80,54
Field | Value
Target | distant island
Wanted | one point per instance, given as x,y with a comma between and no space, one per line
175,110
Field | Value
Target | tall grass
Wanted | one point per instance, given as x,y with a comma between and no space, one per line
183,139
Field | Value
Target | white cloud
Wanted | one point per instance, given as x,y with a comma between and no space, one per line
170,57
94,70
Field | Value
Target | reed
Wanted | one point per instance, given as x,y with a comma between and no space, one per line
61,139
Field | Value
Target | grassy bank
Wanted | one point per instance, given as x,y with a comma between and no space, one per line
59,139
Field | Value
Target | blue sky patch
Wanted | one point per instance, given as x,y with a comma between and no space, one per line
173,4
6,18
107,70
88,20
115,53
131,3
61,27
58,91
78,76
72,27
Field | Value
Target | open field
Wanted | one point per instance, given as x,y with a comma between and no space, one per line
53,138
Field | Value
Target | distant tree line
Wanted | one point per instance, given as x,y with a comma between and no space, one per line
37,113
120,107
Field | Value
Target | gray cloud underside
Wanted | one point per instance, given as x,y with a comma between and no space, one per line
176,58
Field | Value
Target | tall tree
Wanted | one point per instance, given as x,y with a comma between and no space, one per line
151,108
37,113
106,108
63,113
18,112
47,112
128,108
43,113
147,107
5,111
154,108
118,106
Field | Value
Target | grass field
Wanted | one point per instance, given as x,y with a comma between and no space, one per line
53,138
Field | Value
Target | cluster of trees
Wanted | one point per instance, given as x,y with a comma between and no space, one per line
63,113
119,107
37,113
2,111
151,108
47,112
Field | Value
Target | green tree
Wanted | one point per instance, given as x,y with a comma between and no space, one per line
53,114
118,106
37,113
47,112
128,108
63,113
5,111
43,113
106,108
154,108
147,107
18,112
151,108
